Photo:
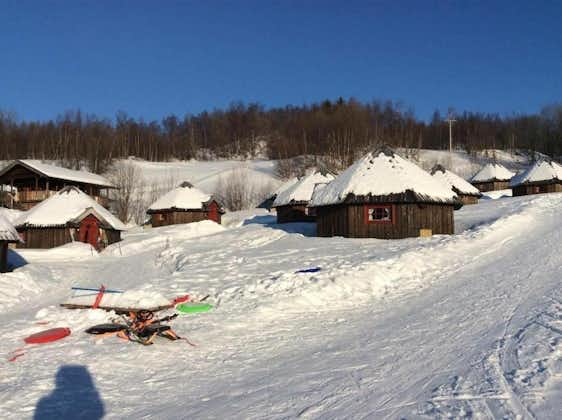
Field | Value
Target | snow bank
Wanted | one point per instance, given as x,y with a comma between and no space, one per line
128,299
142,240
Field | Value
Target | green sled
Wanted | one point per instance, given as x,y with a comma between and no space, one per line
193,307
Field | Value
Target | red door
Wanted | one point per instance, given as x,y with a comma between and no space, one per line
214,212
89,231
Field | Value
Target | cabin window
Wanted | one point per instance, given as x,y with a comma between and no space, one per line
379,214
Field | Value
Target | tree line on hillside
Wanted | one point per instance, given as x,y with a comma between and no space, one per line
338,130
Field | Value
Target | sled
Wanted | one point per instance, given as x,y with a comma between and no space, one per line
117,309
193,307
47,336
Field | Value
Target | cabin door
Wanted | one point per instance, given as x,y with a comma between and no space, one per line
214,212
89,231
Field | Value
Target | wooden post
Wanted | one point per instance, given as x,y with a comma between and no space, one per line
3,257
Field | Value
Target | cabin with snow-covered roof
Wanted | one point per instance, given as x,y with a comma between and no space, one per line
185,204
466,192
8,235
492,177
26,182
291,203
68,216
542,177
384,196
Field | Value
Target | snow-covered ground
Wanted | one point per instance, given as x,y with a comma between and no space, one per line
467,325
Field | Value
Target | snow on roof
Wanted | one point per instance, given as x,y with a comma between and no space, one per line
385,174
455,182
67,205
286,185
8,231
57,172
301,191
184,197
493,172
543,171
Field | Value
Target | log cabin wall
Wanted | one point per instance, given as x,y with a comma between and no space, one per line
468,199
44,238
166,218
491,186
294,213
349,221
536,189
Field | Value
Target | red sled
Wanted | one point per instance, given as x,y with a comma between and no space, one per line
47,336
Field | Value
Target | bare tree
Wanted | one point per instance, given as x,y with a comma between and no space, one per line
126,177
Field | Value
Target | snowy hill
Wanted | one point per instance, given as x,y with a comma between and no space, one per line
450,326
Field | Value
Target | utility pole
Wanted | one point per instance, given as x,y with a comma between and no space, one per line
450,120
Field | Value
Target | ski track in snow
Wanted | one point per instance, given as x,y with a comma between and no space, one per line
448,327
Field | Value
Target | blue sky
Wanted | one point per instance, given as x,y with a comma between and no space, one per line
154,58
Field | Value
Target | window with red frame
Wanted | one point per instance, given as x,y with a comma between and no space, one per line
378,214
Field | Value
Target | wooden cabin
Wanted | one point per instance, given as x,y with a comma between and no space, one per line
384,196
185,204
69,216
492,177
8,235
542,177
466,192
291,203
25,183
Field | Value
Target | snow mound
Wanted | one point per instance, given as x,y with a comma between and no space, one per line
141,299
142,240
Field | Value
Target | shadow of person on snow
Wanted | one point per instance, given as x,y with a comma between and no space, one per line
75,397
304,228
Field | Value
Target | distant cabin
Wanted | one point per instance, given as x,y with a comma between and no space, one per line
466,192
384,196
185,204
8,235
492,177
542,177
291,203
68,216
25,182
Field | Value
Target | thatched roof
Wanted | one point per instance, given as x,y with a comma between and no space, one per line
301,191
542,172
383,176
456,183
493,172
185,197
8,232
